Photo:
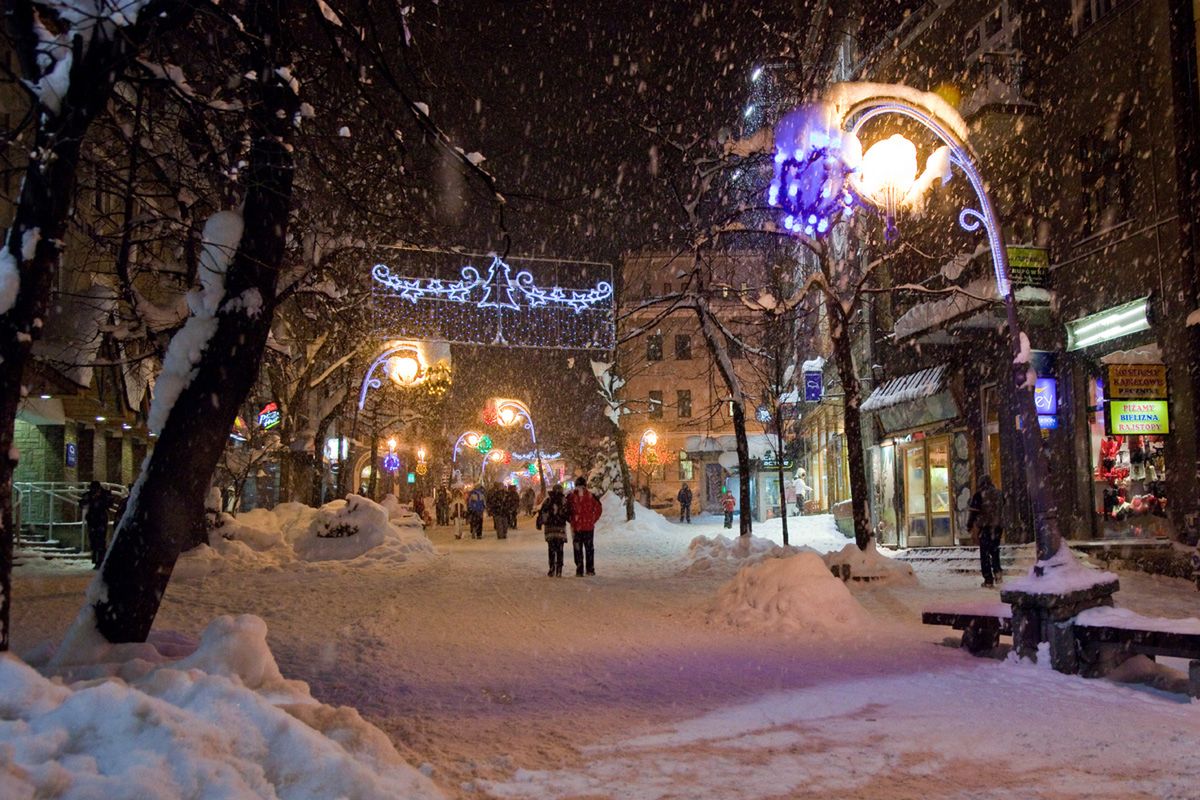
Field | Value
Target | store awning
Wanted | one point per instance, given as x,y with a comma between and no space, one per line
906,388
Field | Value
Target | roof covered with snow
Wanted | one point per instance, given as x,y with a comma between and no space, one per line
925,383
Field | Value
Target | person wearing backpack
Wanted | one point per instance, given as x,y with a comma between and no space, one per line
584,510
986,522
476,504
552,518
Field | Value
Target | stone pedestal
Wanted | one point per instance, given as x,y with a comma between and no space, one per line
1038,618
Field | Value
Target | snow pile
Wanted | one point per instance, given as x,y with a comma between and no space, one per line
356,531
871,565
219,723
795,594
646,522
1109,617
704,553
1063,573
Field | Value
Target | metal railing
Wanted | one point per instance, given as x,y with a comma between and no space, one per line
53,507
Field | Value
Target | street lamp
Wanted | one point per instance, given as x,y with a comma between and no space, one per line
508,412
824,156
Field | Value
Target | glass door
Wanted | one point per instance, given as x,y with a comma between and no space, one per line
916,523
941,524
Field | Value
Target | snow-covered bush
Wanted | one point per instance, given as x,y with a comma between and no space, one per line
870,565
605,474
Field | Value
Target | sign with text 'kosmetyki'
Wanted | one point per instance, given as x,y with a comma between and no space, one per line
1136,381
1137,417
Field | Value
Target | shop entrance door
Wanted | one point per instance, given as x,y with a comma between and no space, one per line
928,520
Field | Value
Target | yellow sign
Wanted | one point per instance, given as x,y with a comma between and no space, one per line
1136,382
1029,266
1137,417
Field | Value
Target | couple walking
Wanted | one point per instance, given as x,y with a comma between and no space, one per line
581,509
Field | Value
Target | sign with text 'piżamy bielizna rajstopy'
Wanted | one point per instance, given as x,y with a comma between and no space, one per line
1137,417
1136,382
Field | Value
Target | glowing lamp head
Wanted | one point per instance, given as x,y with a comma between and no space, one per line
496,456
506,416
404,369
889,170
420,454
650,438
472,439
391,443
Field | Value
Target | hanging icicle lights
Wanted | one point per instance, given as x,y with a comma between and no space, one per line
503,304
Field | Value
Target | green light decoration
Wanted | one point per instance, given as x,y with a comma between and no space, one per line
531,468
485,444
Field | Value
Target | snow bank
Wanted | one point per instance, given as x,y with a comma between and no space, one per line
871,565
704,553
1064,573
646,521
356,531
1109,617
795,594
219,723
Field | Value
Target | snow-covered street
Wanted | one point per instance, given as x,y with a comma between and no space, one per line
497,681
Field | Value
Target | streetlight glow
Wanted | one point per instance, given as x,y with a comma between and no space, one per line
650,437
391,443
889,170
404,369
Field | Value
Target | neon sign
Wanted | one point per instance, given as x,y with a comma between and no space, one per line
270,416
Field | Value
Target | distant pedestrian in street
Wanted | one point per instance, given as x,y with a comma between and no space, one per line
95,503
985,521
441,505
552,519
497,507
512,502
727,505
685,503
527,501
476,505
457,512
584,509
802,489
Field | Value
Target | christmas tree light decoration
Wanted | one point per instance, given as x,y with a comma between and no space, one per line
484,445
520,302
391,462
531,468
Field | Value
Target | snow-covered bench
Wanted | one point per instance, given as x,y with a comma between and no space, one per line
1098,638
981,623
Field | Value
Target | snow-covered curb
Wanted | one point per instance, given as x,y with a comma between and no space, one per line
221,722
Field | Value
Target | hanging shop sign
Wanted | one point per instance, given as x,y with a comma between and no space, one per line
1029,266
1137,417
1111,324
814,387
269,417
72,454
1045,396
1136,381
1047,422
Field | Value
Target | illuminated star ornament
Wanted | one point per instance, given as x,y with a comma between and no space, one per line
568,305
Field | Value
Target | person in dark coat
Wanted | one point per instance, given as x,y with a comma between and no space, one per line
441,505
512,502
685,503
527,501
476,506
552,519
497,506
986,522
95,503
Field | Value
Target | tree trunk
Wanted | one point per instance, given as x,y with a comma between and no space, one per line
745,522
621,437
43,207
843,355
167,508
783,502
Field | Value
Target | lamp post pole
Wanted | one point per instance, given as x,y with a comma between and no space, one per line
1045,515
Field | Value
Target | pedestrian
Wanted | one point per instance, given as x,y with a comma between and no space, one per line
986,522
441,504
584,509
685,503
512,503
476,505
727,505
457,511
552,519
802,490
527,501
95,503
497,506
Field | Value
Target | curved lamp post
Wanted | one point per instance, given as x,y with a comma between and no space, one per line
508,413
470,439
884,179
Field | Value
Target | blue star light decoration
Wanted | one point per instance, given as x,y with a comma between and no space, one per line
497,306
810,187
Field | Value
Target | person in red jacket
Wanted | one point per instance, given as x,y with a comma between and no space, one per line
584,509
727,505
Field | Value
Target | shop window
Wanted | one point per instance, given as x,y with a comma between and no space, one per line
1086,13
928,501
683,403
686,467
656,404
654,347
991,435
667,287
683,347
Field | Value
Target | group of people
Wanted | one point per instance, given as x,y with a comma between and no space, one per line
554,512
729,504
